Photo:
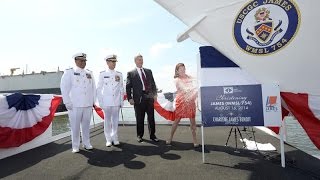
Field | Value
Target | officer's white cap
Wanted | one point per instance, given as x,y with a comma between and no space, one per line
111,57
83,55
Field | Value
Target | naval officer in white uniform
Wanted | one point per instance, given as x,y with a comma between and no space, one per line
110,93
78,91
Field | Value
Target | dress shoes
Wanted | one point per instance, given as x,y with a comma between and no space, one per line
89,147
154,139
139,139
74,150
108,144
116,143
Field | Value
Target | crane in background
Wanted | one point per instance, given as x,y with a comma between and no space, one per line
12,70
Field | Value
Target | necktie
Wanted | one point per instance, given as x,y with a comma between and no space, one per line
145,82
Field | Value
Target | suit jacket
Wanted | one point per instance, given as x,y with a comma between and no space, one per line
134,85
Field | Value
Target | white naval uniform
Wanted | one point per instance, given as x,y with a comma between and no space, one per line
110,93
78,88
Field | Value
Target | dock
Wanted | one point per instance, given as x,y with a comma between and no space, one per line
150,160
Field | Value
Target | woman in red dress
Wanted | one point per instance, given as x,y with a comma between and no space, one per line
185,102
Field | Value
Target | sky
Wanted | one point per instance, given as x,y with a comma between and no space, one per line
44,34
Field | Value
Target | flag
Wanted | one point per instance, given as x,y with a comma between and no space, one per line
25,116
218,70
306,109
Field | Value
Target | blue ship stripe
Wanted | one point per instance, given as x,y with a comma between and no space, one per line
212,58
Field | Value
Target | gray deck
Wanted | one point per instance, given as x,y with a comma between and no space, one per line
148,160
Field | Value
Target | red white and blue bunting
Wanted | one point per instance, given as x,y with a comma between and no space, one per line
165,105
25,116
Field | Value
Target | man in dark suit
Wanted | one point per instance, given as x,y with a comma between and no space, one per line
141,93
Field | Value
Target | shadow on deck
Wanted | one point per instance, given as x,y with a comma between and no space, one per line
149,160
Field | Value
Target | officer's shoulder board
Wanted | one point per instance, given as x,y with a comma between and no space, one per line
88,70
69,70
118,72
102,71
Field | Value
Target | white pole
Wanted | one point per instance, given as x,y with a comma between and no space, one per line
283,161
202,142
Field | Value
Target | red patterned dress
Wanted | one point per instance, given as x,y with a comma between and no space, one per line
185,98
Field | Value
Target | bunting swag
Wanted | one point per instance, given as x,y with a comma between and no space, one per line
306,109
165,105
99,111
24,117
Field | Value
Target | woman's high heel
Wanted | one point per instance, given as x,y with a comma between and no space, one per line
168,142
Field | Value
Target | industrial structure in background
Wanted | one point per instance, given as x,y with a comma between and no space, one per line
34,83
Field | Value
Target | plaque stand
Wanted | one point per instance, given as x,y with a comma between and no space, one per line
236,130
